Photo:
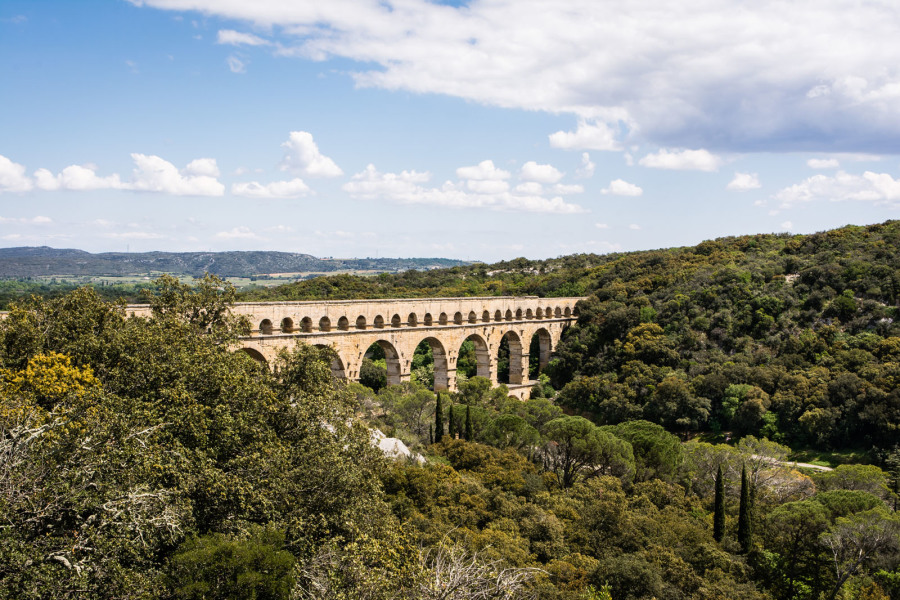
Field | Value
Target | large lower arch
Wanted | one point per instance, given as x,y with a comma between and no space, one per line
482,356
439,354
539,352
516,374
255,355
392,362
337,365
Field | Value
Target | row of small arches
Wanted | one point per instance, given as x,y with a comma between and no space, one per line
266,327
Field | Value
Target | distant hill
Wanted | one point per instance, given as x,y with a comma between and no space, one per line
44,261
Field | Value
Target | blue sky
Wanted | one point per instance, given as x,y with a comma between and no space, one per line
481,130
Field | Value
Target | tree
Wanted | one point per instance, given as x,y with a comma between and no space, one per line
576,448
451,423
719,507
657,453
438,420
469,434
745,517
856,539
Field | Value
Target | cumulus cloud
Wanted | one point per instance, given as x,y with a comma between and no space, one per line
13,177
682,160
634,227
601,226
294,188
154,174
408,187
38,220
532,188
302,155
78,178
202,167
236,38
483,171
786,76
823,163
874,188
787,225
586,169
567,189
532,171
620,187
744,181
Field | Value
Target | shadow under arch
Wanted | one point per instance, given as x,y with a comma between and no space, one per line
337,365
516,372
391,361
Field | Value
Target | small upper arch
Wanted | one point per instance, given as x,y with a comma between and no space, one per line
287,325
324,324
509,315
442,319
306,325
473,318
344,324
428,320
360,322
395,321
379,322
458,318
265,327
412,320
498,316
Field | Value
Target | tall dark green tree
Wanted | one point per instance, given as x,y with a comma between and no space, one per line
745,519
451,423
438,421
469,434
719,510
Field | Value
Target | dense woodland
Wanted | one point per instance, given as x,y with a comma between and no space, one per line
143,458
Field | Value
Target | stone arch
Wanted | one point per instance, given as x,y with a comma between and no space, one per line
379,322
360,322
255,355
395,321
518,314
392,362
539,313
428,320
508,315
324,324
567,312
287,325
265,327
439,354
517,362
306,325
529,314
498,316
344,324
558,313
539,350
486,316
482,356
457,318
337,365
442,319
548,313
412,320
473,318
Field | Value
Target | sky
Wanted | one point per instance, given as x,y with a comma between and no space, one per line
481,130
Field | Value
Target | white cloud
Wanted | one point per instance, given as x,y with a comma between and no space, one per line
236,65
874,188
153,174
76,177
302,155
487,186
134,235
601,226
586,169
531,171
823,163
202,167
619,187
752,76
238,233
682,160
634,227
744,181
236,38
38,220
485,170
294,188
787,225
587,136
13,177
532,188
567,189
407,188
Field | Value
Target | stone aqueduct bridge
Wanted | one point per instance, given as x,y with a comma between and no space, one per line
350,327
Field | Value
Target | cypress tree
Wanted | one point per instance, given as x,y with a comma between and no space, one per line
451,425
430,434
438,421
745,524
719,511
469,434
